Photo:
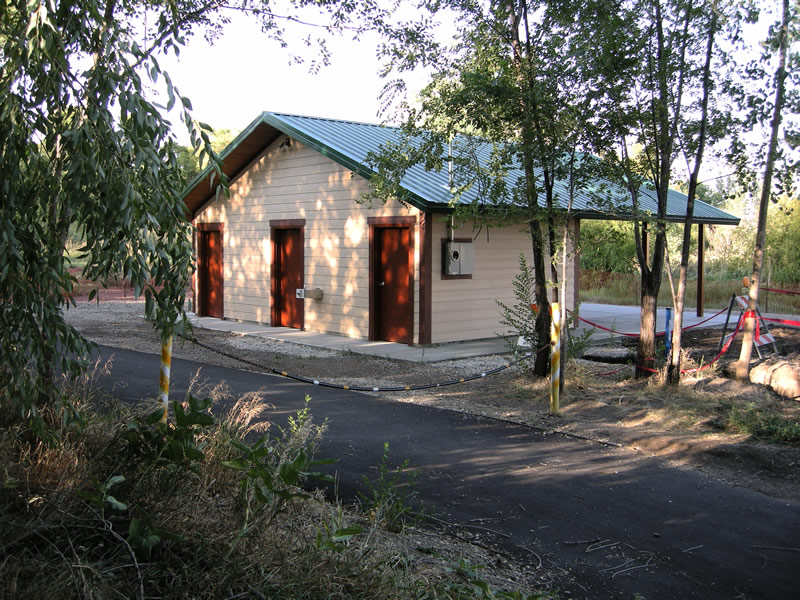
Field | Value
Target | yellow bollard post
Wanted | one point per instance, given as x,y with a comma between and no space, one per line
555,356
163,382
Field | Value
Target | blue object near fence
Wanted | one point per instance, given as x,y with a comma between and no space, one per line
668,331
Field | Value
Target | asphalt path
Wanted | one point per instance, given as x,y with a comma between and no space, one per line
612,521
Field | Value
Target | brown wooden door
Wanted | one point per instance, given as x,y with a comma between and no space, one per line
209,274
392,294
288,277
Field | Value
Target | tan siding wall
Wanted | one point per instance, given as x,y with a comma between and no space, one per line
465,309
300,183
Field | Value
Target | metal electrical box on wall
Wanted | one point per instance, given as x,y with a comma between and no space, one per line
308,293
458,258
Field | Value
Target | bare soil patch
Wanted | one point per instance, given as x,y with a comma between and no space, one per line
688,425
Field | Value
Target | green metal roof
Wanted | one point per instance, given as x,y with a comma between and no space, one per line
349,143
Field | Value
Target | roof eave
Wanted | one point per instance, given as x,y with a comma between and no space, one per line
235,159
595,214
198,199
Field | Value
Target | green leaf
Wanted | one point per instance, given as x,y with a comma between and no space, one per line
181,419
346,533
238,464
154,417
134,529
202,419
241,447
193,453
263,495
116,504
114,480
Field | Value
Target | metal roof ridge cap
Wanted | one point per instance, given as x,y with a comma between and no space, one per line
318,145
393,129
315,118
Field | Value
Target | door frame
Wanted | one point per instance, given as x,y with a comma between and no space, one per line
425,228
202,228
404,222
275,225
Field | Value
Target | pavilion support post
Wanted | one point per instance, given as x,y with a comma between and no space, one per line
646,248
646,242
576,265
701,269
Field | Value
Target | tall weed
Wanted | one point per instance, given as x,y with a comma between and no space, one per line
390,498
113,525
520,317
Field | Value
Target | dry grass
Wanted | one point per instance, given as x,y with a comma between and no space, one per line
703,404
84,518
615,288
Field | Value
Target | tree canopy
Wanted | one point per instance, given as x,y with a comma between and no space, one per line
542,79
85,148
509,82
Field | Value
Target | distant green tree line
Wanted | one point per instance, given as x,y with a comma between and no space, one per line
609,245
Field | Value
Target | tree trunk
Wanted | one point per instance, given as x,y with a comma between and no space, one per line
743,365
541,363
646,350
542,352
565,335
650,284
57,228
552,245
664,133
674,367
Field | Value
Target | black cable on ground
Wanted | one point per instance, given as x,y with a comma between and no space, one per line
407,388
357,388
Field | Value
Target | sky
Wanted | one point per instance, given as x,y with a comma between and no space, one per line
244,74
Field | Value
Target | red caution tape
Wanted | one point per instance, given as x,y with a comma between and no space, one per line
657,333
721,352
782,321
611,372
607,329
780,291
725,348
743,317
704,320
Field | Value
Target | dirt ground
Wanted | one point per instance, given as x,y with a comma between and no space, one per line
601,401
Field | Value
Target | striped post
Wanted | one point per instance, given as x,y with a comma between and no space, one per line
555,356
163,382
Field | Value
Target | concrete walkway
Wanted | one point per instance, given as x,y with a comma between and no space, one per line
620,319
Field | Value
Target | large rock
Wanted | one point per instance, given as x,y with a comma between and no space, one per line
780,374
